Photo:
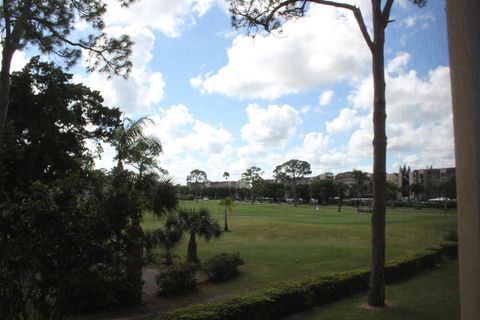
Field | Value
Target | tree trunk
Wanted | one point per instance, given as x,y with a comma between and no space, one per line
339,205
7,55
225,228
295,193
376,295
192,249
135,264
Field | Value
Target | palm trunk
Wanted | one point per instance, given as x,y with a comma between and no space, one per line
192,249
225,228
376,295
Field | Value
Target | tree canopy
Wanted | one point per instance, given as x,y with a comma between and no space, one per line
292,171
49,26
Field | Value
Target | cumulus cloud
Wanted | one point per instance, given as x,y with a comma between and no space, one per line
326,98
184,137
323,47
167,16
270,127
419,117
346,121
143,88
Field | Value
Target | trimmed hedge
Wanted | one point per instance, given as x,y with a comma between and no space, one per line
288,299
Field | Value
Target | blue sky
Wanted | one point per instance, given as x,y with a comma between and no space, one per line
224,102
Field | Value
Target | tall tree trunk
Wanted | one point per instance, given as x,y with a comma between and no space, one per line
7,54
225,228
192,249
376,295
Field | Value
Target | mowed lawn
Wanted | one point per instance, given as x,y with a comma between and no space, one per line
281,243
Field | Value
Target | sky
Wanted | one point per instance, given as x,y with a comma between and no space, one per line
223,101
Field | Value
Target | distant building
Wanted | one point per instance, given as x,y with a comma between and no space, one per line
428,180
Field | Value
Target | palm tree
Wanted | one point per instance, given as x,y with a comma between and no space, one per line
227,204
198,223
130,134
166,237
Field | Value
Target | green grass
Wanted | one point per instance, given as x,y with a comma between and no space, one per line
283,243
431,295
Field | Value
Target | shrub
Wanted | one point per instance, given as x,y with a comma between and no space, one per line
223,266
282,301
451,236
175,279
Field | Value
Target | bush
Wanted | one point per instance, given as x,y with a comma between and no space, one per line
451,236
280,302
223,266
175,279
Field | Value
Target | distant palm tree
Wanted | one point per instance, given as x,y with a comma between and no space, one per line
199,223
129,134
227,204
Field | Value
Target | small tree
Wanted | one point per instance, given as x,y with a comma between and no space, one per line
227,204
199,223
291,171
166,237
252,176
340,189
197,178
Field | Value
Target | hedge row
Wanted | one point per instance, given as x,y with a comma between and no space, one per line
288,299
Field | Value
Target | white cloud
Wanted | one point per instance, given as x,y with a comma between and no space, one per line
185,138
143,88
399,63
419,116
19,60
346,121
326,98
270,127
324,47
167,16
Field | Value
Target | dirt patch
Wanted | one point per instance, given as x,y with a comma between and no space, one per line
388,305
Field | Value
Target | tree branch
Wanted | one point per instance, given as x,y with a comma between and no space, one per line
355,10
386,13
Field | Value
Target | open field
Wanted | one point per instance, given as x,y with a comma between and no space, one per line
282,243
433,294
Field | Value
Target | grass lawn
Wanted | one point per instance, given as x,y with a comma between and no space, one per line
282,243
431,295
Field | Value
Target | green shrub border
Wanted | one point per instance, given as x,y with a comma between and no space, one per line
296,297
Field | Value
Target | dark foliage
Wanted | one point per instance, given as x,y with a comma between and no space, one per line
175,279
223,266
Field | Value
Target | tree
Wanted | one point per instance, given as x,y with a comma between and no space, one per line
48,126
143,157
270,14
392,191
273,190
340,189
227,204
129,139
360,180
166,237
405,177
197,178
252,176
291,171
322,190
47,26
199,223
